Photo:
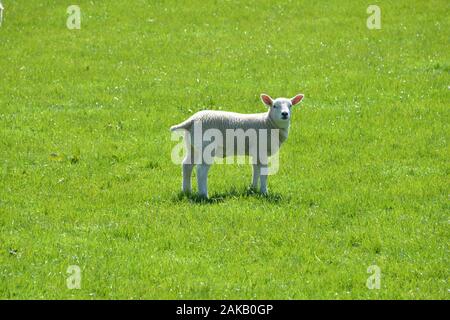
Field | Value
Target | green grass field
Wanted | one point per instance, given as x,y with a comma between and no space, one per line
87,178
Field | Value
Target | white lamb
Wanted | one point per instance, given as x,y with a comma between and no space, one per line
251,134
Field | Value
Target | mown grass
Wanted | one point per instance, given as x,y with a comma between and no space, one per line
86,176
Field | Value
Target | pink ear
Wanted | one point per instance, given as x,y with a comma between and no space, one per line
297,99
267,100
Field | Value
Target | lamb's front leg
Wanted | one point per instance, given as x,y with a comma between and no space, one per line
256,174
263,177
202,179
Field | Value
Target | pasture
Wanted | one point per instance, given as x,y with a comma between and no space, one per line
85,150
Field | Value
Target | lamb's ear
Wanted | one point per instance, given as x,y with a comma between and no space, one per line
267,100
297,99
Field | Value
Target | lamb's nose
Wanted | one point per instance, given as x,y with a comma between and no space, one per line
284,114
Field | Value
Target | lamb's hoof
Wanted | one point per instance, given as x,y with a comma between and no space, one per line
203,196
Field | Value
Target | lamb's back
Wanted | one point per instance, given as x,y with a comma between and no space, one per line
229,120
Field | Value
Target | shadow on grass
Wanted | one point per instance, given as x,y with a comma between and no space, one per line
231,194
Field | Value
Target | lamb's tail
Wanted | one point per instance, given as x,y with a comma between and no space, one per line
186,125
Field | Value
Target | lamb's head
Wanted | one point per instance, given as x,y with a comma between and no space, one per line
280,108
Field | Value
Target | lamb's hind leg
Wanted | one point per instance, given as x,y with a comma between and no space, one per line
187,174
188,165
202,179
